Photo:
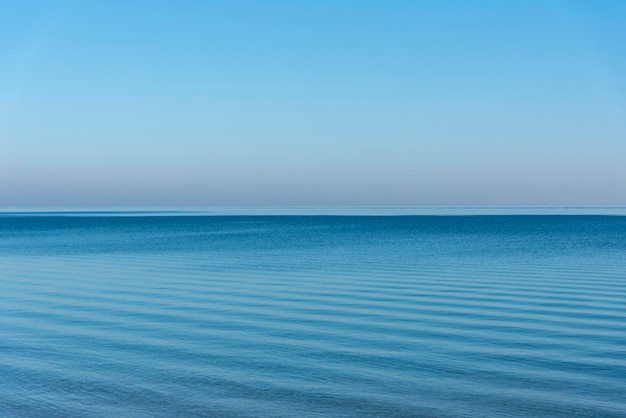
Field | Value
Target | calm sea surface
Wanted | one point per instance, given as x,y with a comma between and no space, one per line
298,316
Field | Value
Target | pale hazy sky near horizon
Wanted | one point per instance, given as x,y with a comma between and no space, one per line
312,102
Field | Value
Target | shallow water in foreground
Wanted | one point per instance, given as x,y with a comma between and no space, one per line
149,316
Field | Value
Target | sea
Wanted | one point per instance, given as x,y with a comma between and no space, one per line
309,312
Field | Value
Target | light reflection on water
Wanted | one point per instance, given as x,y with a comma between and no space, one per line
312,315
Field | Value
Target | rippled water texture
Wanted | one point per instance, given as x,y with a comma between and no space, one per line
149,316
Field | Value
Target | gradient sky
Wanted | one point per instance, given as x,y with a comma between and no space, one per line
312,102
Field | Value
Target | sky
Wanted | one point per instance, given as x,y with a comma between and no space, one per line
353,102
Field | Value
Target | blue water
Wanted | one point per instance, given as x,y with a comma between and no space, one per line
160,316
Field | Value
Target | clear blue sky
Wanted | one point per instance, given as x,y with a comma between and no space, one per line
312,102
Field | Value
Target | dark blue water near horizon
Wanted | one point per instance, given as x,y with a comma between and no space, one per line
347,316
